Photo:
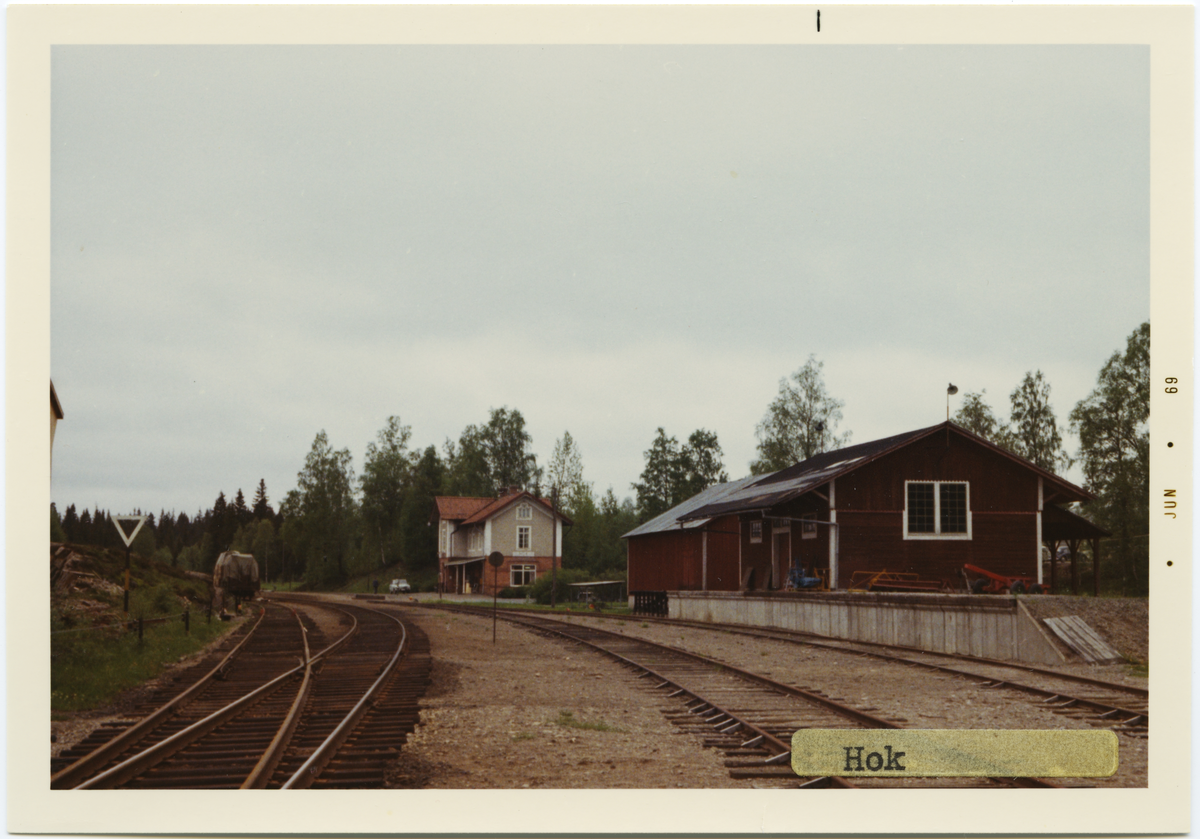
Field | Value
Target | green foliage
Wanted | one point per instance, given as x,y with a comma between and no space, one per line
386,479
801,422
145,544
420,540
89,668
154,601
1113,428
190,559
566,473
1034,429
324,513
513,592
975,415
57,533
541,589
675,473
262,508
492,456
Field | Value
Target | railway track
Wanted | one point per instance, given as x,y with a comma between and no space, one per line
748,716
288,707
1123,708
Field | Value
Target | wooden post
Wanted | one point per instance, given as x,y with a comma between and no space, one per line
1074,566
1095,567
1053,563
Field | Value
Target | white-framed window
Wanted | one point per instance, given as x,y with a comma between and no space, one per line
808,530
937,510
756,531
476,538
524,511
522,575
524,540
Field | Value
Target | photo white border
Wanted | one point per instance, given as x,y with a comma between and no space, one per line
1163,807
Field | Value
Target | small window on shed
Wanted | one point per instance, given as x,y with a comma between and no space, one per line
756,531
808,530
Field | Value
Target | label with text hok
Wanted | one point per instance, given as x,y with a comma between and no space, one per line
1002,753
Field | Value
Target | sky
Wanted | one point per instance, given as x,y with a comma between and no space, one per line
253,244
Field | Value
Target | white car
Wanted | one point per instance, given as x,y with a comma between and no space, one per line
399,586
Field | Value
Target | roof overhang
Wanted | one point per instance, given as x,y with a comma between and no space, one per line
465,561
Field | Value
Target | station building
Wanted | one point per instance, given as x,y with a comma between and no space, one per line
517,524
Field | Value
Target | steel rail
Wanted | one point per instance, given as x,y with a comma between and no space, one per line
152,756
261,773
308,771
70,776
867,720
800,637
782,749
1134,717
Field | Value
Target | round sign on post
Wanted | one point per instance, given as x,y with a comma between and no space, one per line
495,559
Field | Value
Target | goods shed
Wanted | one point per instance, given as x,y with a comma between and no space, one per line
922,503
669,553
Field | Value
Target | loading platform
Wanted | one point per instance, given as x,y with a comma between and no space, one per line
995,626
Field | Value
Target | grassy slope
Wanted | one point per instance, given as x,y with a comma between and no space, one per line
91,665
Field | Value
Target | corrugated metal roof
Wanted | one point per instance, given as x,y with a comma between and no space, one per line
670,519
807,475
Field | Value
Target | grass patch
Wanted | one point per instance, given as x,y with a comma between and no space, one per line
1139,669
88,669
564,607
524,735
568,720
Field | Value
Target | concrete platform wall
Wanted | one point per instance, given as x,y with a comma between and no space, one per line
993,626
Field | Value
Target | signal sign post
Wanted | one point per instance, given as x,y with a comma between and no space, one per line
495,559
128,540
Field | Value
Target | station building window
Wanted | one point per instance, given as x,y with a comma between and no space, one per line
522,575
523,537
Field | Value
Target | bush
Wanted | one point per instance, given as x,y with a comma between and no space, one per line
540,590
514,592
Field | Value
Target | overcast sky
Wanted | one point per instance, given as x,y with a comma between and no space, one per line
251,244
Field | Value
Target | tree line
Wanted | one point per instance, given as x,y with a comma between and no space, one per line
336,524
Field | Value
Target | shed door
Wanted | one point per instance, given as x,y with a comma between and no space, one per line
781,557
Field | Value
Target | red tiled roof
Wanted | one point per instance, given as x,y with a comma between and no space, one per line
455,507
500,503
